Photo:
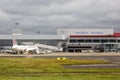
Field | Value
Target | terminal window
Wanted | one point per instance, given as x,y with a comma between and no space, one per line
72,40
80,40
88,40
112,40
119,41
96,41
104,40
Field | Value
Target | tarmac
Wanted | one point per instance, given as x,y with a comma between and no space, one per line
114,57
112,65
65,54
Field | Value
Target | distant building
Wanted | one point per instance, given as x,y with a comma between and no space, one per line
72,40
97,40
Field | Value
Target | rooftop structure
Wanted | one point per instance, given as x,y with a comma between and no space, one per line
85,32
31,36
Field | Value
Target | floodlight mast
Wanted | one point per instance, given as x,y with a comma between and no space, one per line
17,23
17,30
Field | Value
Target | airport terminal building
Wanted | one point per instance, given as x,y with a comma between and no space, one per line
71,40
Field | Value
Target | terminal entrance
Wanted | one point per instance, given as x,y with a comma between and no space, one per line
110,47
74,50
78,48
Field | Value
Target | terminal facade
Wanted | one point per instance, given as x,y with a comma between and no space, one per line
94,40
71,40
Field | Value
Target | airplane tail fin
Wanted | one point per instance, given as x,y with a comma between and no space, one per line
13,42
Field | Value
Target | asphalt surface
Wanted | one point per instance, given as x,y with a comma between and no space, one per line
113,65
113,57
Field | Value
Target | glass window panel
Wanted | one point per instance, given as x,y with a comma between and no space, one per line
96,41
119,41
80,40
88,40
104,40
112,40
73,40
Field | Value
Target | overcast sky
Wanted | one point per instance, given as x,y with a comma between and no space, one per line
48,15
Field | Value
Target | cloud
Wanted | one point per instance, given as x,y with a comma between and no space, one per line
4,21
3,16
48,15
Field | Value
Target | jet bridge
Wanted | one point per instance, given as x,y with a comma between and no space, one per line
49,47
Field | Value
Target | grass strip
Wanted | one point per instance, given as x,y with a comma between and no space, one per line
37,65
65,77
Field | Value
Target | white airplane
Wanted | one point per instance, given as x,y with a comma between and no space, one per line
38,48
25,47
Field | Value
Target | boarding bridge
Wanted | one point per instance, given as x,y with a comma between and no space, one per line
49,47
